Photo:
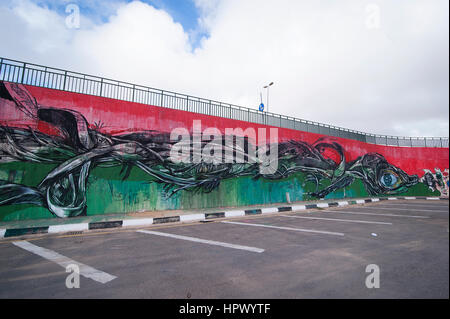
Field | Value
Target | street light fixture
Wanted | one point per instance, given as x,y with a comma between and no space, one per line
267,87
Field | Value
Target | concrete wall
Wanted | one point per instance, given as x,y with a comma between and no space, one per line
66,154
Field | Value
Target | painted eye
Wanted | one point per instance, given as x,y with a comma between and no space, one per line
389,179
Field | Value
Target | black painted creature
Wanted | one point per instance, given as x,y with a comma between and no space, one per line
78,148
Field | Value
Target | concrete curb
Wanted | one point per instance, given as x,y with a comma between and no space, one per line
80,227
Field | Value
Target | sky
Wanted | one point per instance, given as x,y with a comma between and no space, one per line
377,66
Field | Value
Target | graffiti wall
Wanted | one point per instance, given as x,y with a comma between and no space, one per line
65,154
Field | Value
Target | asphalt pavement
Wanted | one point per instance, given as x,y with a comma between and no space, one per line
323,253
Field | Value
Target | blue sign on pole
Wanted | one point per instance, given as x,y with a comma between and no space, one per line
261,107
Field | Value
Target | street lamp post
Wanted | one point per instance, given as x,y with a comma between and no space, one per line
267,87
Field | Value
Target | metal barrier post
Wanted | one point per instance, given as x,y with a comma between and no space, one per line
23,72
84,81
65,77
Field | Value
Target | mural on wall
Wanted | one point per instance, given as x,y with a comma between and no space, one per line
75,147
437,181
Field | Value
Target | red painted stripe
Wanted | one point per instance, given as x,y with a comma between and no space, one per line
119,117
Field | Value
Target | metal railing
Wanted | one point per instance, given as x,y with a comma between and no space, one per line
42,76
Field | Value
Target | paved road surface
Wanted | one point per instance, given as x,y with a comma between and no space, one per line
317,254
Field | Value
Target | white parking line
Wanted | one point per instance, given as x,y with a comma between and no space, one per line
287,228
64,261
203,241
412,205
339,220
408,209
374,214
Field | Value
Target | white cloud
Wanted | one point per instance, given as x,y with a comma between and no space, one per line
208,12
326,64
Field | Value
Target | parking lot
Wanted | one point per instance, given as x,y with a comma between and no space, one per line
321,253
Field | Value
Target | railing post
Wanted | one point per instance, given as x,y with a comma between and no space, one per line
65,77
132,98
23,72
162,98
83,86
1,64
45,77
101,86
425,139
